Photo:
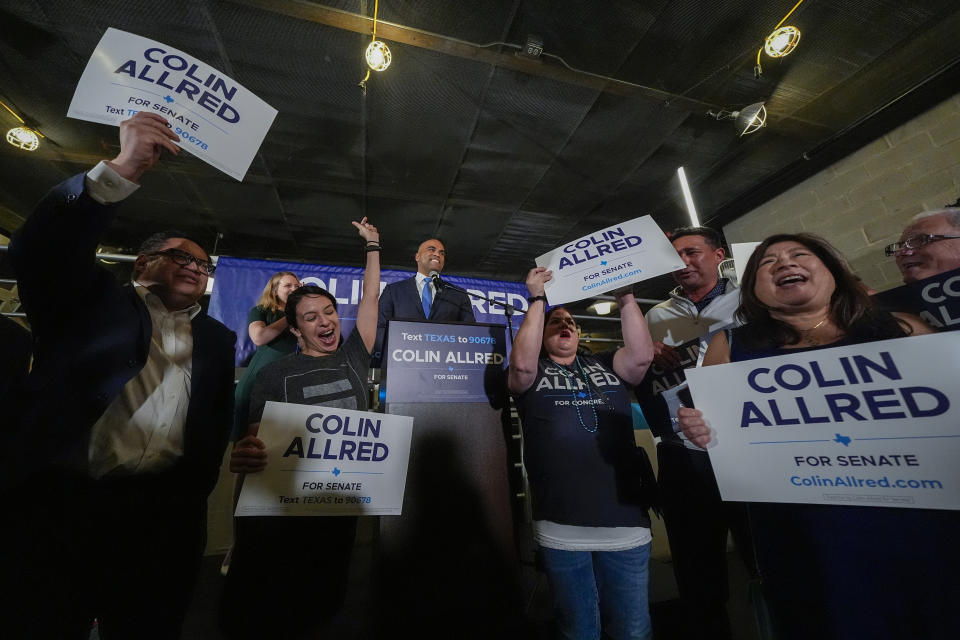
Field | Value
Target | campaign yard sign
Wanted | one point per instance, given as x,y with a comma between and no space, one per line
326,461
650,390
216,118
875,424
935,299
608,259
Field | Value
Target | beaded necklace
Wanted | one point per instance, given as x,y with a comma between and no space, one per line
571,375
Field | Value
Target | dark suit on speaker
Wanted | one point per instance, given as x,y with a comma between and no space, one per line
401,301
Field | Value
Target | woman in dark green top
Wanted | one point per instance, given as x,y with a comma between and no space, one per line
267,327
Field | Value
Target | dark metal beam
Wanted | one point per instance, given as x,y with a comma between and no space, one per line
451,46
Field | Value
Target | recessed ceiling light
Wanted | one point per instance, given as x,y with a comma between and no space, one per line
602,307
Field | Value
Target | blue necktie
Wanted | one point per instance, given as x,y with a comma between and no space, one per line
427,299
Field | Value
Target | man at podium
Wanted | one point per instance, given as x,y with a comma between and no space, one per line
418,298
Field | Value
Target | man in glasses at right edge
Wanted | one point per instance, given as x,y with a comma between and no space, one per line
127,411
929,245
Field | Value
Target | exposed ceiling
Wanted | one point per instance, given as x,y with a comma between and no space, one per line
502,157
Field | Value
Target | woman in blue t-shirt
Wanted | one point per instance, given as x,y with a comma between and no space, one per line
585,471
834,571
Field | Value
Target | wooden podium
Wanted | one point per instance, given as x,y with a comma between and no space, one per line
450,561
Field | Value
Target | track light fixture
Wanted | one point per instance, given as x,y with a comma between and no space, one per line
748,120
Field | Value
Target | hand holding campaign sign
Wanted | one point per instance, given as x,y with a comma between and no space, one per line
217,119
328,461
874,424
608,259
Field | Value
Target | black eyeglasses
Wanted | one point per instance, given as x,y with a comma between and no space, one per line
915,242
183,258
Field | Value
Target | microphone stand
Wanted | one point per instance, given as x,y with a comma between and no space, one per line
508,309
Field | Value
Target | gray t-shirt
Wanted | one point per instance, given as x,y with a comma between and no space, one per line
336,380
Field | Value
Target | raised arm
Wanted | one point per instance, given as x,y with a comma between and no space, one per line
69,221
262,333
526,346
367,310
631,361
142,138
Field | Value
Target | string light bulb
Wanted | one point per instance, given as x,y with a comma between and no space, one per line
23,138
378,55
782,42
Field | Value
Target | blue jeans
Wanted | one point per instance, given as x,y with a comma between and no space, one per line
600,589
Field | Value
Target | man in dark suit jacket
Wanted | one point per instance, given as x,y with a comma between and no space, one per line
403,300
14,363
126,416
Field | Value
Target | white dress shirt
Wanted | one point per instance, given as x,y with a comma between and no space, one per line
142,429
106,186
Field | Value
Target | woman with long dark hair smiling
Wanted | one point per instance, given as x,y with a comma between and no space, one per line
833,571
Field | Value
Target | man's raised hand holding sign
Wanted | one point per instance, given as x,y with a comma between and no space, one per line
142,139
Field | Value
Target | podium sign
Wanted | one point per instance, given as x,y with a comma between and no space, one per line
427,362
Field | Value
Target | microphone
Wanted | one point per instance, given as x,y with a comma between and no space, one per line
437,282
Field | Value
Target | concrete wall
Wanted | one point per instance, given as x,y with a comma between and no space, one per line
862,202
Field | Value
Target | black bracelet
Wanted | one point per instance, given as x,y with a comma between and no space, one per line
533,299
373,247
